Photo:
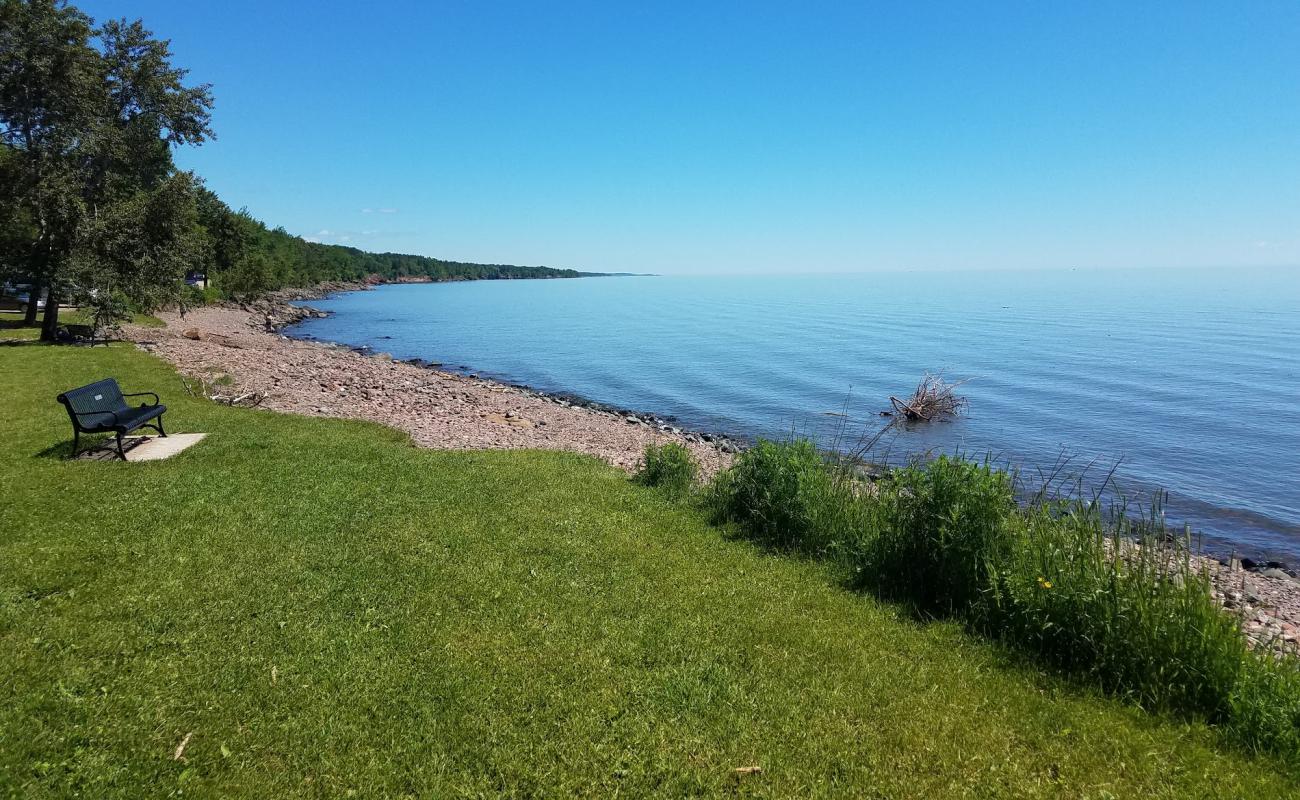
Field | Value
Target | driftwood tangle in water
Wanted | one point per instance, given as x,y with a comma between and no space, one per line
932,399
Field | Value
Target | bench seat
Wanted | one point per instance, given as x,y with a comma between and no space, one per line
129,420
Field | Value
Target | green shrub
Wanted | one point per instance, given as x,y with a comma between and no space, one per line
942,536
670,467
107,309
196,296
785,495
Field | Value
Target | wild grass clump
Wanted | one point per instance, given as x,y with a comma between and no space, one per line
1109,599
785,495
943,535
1264,712
1121,605
669,467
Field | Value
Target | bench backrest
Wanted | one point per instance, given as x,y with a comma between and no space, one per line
98,397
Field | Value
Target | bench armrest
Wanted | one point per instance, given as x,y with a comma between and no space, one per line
154,395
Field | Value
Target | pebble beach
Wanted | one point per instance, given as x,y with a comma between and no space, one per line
242,348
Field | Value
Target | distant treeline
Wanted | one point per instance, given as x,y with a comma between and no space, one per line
243,257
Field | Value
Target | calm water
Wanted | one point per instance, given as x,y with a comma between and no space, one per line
1189,381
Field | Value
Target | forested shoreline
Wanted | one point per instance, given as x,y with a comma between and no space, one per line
244,257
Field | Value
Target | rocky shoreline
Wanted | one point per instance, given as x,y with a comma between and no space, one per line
278,313
244,348
1265,599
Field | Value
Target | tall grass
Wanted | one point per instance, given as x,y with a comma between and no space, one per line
669,467
787,496
942,534
1120,604
1108,598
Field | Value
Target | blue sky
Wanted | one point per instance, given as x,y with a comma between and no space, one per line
758,137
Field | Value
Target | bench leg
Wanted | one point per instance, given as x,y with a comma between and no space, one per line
158,426
76,442
120,452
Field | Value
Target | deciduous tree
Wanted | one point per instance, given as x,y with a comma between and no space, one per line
92,116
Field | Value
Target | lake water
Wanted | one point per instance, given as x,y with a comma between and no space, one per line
1188,381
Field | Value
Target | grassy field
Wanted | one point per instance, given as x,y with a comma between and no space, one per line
319,609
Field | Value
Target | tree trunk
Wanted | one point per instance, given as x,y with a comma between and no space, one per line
33,299
50,324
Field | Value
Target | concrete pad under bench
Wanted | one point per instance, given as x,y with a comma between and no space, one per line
145,448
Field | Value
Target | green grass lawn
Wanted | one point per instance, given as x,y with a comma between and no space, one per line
325,610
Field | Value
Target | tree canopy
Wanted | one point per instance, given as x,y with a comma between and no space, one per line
92,207
89,117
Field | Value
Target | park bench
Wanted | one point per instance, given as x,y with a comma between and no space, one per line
100,407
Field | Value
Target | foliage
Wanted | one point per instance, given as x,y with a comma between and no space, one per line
91,203
785,495
943,537
1120,602
1264,710
88,118
142,245
245,258
107,311
550,629
1114,604
669,466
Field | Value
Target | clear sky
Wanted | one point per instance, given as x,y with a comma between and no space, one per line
757,137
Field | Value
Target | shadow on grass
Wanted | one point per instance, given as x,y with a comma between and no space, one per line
11,341
840,576
56,452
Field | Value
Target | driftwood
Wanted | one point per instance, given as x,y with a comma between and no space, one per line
932,399
216,338
207,391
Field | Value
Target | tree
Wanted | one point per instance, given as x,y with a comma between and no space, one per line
92,116
16,229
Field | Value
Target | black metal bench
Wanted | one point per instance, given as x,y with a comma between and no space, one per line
100,407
